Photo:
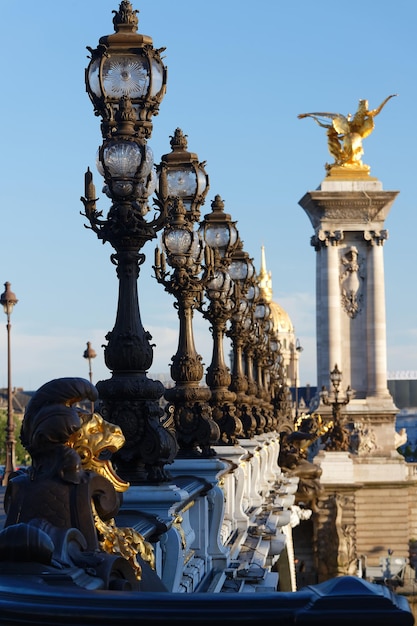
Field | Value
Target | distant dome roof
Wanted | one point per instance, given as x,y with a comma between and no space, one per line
280,319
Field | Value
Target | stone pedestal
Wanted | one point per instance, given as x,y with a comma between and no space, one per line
344,468
362,512
337,468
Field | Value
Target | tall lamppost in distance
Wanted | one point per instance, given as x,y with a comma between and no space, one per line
90,354
8,300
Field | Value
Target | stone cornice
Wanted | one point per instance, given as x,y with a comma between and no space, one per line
349,210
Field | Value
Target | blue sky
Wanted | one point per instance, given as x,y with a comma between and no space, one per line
238,75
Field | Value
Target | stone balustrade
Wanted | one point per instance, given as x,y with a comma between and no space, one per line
225,518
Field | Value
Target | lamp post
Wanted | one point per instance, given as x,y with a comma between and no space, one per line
337,437
249,338
242,272
273,373
90,354
262,408
8,300
281,394
221,235
182,246
183,186
126,80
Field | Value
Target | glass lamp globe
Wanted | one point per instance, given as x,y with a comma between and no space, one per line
177,241
122,159
127,168
241,268
182,246
220,286
238,270
273,345
260,311
336,377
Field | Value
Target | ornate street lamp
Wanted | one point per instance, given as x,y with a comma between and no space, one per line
242,272
280,393
188,402
337,437
221,235
125,64
262,407
126,80
252,297
182,187
271,375
8,300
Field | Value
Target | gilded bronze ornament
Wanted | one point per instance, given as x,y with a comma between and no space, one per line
345,135
93,441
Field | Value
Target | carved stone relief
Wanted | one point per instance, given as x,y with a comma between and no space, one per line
351,281
335,536
363,439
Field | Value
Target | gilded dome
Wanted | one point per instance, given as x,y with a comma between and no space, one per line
280,319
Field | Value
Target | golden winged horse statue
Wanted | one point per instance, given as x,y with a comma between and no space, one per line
345,133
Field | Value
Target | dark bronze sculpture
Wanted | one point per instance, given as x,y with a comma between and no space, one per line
60,514
293,459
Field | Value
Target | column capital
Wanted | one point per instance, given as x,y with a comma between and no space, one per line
375,237
326,238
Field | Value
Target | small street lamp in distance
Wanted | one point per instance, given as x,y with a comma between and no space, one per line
90,354
8,300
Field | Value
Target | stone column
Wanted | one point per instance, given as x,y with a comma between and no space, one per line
376,324
329,333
